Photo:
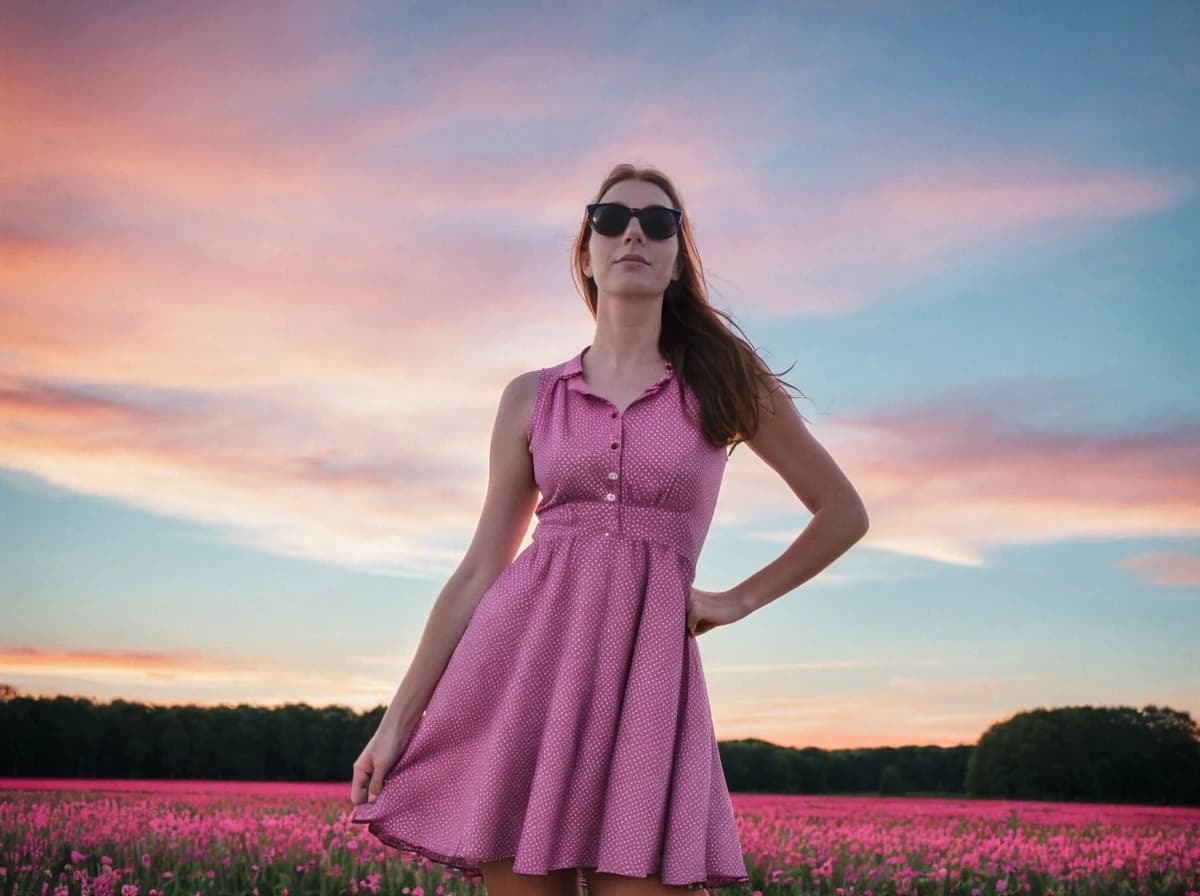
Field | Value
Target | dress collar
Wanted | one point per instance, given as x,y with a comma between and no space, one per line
574,370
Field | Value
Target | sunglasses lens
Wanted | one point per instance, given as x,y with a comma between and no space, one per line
611,220
658,223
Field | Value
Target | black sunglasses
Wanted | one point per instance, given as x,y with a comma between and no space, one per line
611,218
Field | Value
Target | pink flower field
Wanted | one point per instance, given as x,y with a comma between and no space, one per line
207,838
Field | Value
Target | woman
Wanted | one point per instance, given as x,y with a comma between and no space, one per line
555,721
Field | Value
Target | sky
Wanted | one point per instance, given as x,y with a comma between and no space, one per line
266,268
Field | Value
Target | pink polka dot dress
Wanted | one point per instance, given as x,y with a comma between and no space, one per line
571,726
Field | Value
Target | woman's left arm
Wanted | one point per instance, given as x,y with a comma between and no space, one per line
839,515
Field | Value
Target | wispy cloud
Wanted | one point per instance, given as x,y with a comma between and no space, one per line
959,477
169,678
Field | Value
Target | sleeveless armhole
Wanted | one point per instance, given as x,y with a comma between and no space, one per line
537,407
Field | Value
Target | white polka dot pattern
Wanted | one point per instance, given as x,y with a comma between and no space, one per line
571,727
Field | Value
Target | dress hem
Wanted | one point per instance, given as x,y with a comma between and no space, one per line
470,867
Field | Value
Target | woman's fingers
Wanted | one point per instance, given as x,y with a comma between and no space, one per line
358,782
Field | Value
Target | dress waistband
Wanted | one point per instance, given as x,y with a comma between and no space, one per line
617,520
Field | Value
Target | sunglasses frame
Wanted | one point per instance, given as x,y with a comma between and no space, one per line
634,213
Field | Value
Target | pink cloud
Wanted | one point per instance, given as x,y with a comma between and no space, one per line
959,479
174,678
1165,569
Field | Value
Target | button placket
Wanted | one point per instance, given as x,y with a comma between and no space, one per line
612,496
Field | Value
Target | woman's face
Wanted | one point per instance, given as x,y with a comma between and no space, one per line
601,256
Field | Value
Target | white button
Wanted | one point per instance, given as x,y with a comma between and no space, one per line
612,475
610,497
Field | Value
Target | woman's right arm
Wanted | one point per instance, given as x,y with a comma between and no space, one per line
508,507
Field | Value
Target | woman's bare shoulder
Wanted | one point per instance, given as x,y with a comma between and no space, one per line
523,388
519,398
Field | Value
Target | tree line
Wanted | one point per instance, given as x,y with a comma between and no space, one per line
1085,753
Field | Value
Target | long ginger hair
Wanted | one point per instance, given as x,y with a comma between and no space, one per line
721,367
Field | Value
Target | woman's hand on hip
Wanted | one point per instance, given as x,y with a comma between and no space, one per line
708,609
